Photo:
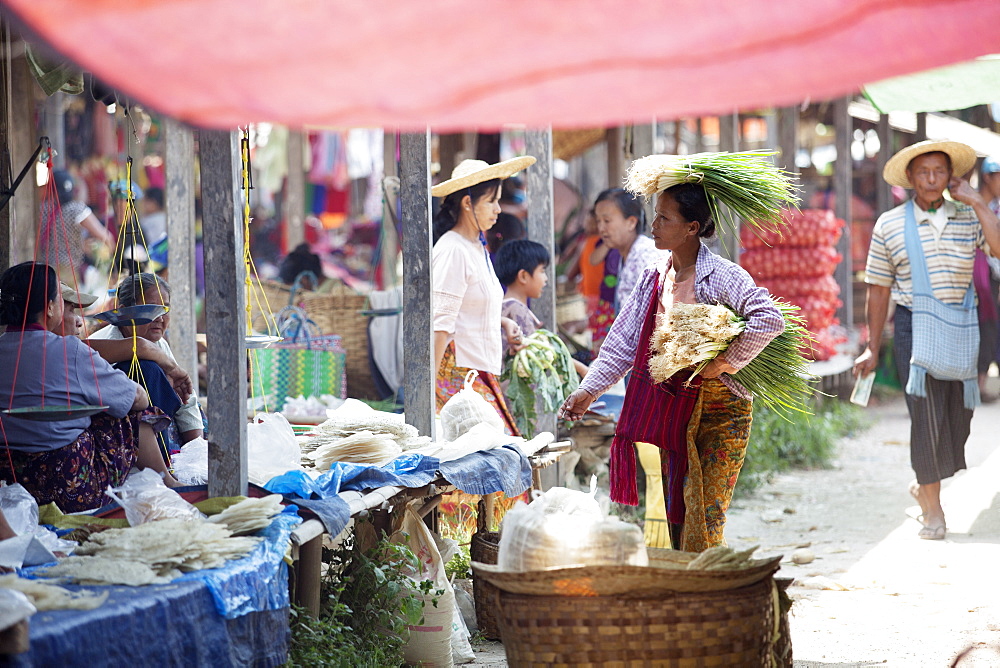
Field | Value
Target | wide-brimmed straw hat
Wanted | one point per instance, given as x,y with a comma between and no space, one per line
470,172
963,157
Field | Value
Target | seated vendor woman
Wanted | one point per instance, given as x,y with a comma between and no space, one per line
180,405
69,461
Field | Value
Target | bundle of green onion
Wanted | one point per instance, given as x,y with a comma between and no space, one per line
691,335
747,183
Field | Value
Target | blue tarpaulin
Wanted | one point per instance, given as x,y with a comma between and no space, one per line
503,469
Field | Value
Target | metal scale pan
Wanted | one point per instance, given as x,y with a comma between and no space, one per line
129,316
54,413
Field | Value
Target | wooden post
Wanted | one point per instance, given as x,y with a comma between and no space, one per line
541,228
616,174
729,140
179,204
55,127
418,306
225,316
19,217
788,138
643,138
844,128
308,573
921,133
295,192
883,191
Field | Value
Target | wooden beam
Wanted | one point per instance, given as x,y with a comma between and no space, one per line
541,228
225,317
418,331
883,191
295,192
842,186
178,201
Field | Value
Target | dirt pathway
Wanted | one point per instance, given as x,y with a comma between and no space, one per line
900,601
908,602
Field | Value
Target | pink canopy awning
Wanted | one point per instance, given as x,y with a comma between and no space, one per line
485,63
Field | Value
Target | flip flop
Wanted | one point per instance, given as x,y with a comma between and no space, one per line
932,532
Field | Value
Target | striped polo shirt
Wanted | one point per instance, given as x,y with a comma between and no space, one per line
949,255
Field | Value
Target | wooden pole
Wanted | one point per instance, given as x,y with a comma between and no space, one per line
883,191
643,138
788,138
179,205
418,307
541,228
615,157
844,127
729,140
17,132
225,316
921,133
295,192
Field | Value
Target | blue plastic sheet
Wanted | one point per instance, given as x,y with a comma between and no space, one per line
504,469
164,625
258,581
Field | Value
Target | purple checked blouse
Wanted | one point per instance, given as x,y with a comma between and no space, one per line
717,281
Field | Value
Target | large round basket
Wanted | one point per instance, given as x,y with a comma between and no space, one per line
733,627
484,548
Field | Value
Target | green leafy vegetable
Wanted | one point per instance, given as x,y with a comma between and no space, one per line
542,374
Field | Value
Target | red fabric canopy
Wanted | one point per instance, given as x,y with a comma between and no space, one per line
485,63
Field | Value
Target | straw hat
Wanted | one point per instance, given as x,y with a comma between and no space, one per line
470,172
962,159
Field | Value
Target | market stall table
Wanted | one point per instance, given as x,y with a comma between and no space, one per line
236,615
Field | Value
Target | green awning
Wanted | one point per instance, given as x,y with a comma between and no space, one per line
953,87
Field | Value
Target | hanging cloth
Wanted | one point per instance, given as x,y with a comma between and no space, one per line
945,336
656,413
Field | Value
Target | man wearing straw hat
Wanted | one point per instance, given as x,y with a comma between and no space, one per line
921,258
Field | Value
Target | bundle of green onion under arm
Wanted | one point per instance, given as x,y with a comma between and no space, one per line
747,183
689,336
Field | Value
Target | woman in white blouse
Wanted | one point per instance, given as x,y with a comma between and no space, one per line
467,295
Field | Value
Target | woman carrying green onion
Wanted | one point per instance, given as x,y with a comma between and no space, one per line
701,425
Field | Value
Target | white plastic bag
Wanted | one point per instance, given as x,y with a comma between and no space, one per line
429,644
467,409
562,528
146,499
191,463
20,508
271,448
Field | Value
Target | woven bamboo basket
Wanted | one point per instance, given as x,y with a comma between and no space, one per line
732,627
266,300
339,312
485,548
627,582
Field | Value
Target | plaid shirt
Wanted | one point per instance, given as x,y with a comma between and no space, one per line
717,281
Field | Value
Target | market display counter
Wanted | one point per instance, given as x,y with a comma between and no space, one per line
236,615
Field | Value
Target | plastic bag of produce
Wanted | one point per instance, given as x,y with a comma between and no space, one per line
271,448
467,409
145,498
562,528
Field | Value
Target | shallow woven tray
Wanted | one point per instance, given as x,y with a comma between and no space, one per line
632,582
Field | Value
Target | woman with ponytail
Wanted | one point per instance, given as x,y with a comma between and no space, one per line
468,329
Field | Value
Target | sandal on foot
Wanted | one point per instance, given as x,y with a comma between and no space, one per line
936,532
